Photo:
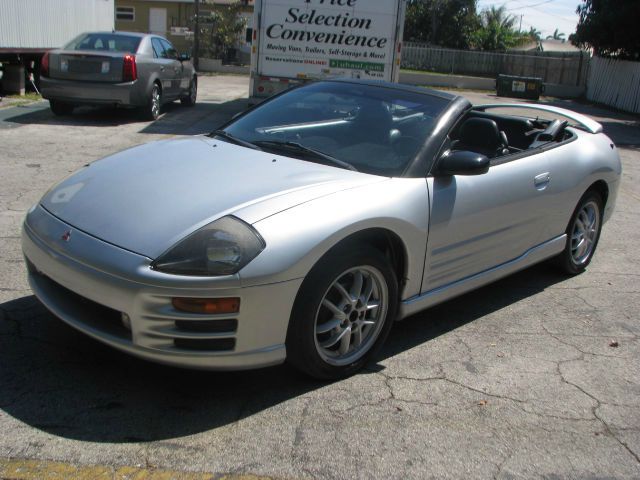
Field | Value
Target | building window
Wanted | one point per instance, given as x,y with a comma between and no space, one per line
126,13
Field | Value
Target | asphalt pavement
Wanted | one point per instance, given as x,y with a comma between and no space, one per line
535,376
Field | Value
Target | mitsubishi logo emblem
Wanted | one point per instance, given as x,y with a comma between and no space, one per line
66,236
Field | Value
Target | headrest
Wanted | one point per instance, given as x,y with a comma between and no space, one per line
480,132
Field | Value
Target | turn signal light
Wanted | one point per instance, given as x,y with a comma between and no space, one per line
206,305
129,70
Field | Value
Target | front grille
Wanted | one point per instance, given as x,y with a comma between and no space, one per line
205,344
83,310
208,326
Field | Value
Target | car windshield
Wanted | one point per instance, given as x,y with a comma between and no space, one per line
373,129
106,42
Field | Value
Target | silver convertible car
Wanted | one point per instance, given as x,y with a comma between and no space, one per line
304,227
117,68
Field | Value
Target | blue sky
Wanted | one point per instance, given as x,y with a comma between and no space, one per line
545,16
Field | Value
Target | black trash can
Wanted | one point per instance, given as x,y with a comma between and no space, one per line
519,87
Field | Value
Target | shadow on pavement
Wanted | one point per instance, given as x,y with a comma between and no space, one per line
175,119
64,383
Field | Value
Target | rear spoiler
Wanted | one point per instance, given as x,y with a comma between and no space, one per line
583,121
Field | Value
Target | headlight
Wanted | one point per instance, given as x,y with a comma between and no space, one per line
221,248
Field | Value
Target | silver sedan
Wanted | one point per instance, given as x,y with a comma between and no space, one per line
117,68
305,227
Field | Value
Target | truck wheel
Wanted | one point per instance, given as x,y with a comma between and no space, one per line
190,100
61,108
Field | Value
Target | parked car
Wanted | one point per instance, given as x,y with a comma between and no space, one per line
117,68
304,227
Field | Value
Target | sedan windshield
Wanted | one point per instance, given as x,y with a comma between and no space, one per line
372,129
106,42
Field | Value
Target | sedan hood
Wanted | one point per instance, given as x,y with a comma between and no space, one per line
149,197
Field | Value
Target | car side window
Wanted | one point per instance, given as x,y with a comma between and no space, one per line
171,51
158,49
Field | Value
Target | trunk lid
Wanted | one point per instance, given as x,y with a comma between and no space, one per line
147,198
87,66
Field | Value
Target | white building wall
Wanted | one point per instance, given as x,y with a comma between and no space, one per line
51,23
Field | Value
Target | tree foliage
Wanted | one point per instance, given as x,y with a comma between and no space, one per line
610,27
221,29
447,23
457,24
497,30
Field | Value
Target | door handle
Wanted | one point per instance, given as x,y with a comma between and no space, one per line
541,181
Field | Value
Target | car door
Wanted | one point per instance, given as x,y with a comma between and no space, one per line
481,221
175,66
164,67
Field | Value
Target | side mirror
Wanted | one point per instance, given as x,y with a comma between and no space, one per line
184,57
461,162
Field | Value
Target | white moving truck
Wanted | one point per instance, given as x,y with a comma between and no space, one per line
294,41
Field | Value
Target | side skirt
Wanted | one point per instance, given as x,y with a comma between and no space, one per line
438,295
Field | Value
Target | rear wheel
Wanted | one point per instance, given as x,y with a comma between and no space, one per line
583,234
152,110
61,108
343,313
190,100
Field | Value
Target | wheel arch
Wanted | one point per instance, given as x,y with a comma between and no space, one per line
382,239
601,187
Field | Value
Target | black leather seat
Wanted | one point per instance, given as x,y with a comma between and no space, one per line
482,135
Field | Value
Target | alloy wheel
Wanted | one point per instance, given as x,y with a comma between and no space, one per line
585,232
351,315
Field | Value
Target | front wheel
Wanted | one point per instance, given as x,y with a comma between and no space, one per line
190,100
343,313
583,234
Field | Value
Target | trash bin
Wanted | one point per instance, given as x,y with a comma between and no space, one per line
519,87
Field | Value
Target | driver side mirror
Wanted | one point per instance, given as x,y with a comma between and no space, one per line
462,162
184,57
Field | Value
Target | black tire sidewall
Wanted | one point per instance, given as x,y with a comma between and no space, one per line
566,259
301,348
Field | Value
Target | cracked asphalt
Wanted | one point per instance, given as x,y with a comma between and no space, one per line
535,376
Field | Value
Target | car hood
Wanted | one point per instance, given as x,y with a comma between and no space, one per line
149,197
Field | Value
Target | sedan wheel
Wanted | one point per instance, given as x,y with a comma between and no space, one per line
583,234
152,110
343,313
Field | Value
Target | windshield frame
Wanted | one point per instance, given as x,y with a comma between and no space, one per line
419,163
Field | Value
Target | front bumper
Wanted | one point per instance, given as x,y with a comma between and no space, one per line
89,284
93,93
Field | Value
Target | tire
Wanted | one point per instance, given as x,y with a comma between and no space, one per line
190,100
583,233
152,110
61,108
314,326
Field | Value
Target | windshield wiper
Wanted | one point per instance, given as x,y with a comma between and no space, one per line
301,148
234,139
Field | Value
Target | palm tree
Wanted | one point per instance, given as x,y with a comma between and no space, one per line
534,34
498,30
556,36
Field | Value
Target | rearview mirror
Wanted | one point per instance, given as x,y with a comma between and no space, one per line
184,57
461,162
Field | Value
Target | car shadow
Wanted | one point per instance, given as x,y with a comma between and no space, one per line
175,119
62,382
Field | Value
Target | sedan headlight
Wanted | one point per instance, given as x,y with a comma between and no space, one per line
221,248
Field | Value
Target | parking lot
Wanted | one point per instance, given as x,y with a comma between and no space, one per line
535,376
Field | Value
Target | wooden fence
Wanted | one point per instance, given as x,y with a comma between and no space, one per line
615,83
556,68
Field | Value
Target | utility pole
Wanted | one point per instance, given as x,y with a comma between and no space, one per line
520,29
196,35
